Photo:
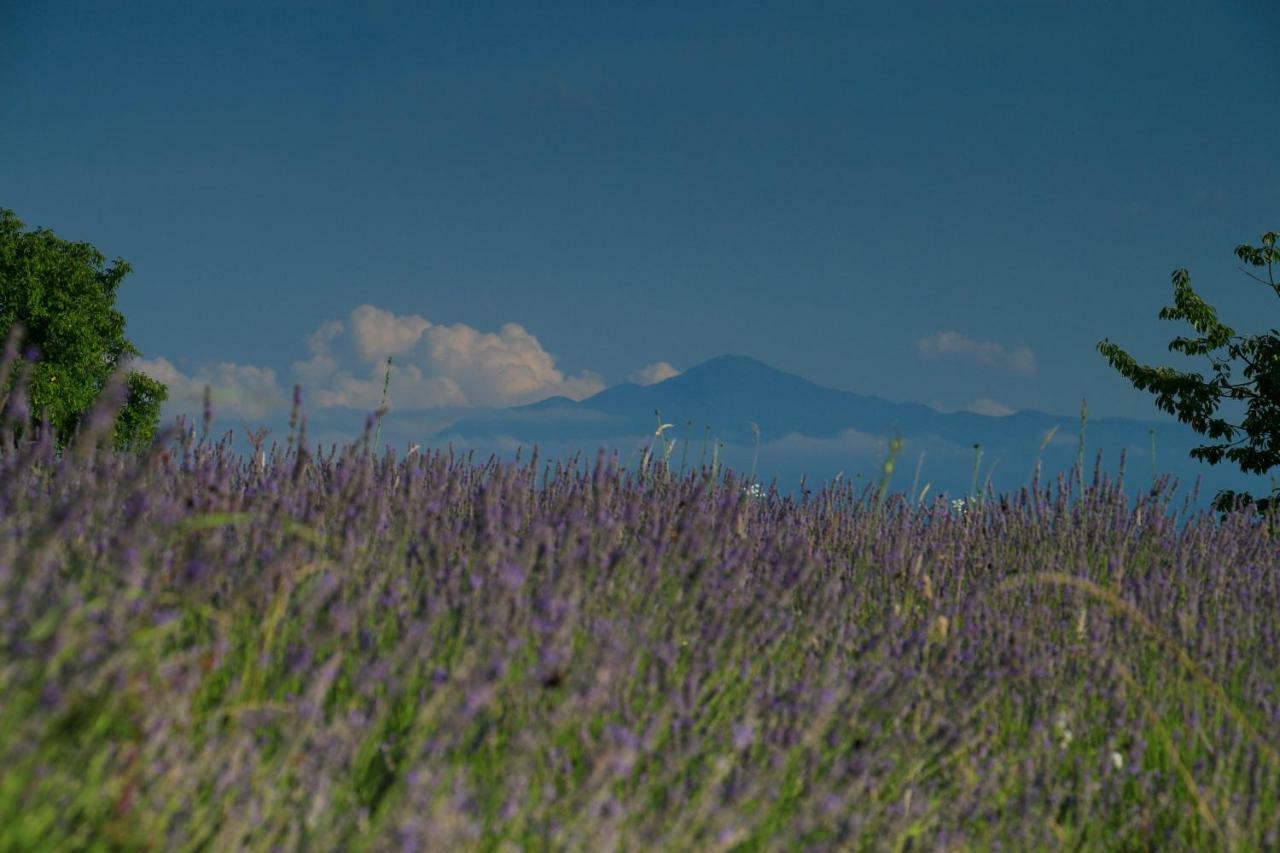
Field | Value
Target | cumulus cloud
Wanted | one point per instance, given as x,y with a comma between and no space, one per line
987,353
433,366
651,374
237,389
505,369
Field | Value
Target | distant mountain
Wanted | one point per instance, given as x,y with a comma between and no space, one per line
730,391
805,428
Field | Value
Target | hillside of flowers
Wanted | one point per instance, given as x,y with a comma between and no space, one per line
343,650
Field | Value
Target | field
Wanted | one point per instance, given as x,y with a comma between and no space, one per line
350,651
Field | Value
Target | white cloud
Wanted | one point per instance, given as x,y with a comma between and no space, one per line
989,407
432,366
651,374
241,390
319,342
980,406
506,369
987,353
380,333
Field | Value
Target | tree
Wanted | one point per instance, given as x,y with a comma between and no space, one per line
1197,399
63,295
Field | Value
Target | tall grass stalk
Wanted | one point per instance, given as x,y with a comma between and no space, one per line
382,409
685,452
1084,416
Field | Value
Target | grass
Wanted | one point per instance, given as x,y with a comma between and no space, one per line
350,652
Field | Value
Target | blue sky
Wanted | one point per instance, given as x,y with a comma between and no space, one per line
947,203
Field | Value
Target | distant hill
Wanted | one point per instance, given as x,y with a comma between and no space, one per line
730,391
807,428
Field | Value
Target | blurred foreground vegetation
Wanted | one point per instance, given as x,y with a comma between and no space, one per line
350,652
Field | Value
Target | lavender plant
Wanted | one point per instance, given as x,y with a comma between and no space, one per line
350,651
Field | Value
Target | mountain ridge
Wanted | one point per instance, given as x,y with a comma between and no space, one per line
811,429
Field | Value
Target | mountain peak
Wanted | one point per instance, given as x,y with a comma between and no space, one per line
735,368
738,375
732,360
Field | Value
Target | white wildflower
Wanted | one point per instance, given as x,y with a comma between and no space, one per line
1063,732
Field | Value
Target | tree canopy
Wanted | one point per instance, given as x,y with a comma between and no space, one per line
1193,400
62,295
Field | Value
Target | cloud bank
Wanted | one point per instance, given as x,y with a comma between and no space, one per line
440,373
986,353
432,366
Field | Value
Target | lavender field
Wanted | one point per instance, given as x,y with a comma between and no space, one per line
348,651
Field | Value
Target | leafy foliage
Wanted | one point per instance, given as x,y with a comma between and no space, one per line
1193,400
61,296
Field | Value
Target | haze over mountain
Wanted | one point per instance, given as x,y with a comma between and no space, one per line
806,428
